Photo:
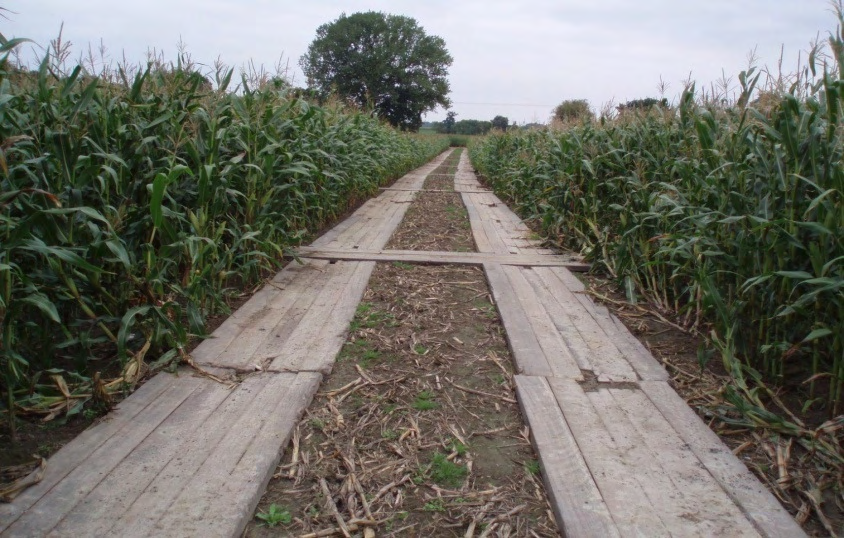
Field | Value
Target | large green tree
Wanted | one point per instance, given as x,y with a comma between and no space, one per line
384,61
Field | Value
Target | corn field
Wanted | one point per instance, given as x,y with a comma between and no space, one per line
130,207
731,216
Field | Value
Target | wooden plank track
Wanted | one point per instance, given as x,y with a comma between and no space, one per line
434,190
651,483
760,506
621,453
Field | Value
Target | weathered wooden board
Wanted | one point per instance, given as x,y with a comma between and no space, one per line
559,359
438,257
95,505
235,343
653,482
151,402
482,242
759,505
636,354
380,235
632,510
370,216
316,340
261,306
218,497
199,471
528,355
574,496
434,190
713,511
589,343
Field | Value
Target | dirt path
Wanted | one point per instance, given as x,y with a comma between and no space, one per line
417,428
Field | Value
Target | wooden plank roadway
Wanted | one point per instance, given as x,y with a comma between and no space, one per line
188,456
621,453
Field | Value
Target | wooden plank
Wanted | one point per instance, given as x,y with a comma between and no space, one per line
241,353
645,467
118,489
490,226
77,451
76,475
321,354
224,465
493,234
263,307
348,228
222,494
314,343
577,503
589,344
527,353
578,347
434,190
632,510
757,503
273,345
386,230
382,208
706,508
636,354
482,242
335,232
433,257
559,358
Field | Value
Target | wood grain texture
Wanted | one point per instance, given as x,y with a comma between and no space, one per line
589,342
575,498
61,464
81,466
318,337
219,497
277,304
705,507
633,511
528,356
760,506
482,242
558,357
439,257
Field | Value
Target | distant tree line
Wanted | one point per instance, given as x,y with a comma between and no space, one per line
577,110
450,125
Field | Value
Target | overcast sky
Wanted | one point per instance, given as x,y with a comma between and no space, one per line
516,59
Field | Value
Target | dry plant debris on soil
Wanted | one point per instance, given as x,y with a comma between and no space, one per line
417,431
436,221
